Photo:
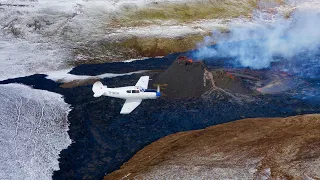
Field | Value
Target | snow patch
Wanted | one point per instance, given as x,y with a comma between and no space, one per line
64,76
19,57
171,30
33,131
158,31
132,60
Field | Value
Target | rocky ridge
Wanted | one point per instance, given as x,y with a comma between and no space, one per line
258,148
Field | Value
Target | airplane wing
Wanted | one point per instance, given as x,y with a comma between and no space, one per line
143,82
130,105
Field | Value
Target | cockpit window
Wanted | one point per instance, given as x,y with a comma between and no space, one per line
135,91
128,91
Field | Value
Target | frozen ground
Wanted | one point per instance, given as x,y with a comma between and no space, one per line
38,36
65,77
33,131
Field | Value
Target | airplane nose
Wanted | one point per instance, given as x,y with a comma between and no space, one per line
158,94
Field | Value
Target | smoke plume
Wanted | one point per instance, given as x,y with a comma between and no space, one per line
296,40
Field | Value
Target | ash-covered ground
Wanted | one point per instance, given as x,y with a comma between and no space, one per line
104,139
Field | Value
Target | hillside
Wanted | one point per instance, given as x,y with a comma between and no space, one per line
246,149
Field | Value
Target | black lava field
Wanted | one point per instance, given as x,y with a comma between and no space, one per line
104,139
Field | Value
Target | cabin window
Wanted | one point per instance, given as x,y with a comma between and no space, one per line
135,91
128,91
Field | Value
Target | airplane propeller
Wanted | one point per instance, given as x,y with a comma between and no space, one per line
158,91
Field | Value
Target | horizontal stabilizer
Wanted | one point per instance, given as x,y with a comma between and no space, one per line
98,89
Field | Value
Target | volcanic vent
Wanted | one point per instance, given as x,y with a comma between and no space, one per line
186,78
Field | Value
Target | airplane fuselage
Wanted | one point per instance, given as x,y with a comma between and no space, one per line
130,92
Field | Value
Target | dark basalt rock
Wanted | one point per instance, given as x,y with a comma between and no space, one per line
124,67
231,82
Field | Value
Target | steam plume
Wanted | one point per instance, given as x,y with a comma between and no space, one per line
259,44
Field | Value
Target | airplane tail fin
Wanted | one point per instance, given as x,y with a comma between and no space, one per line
98,89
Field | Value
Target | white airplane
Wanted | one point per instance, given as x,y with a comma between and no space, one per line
132,94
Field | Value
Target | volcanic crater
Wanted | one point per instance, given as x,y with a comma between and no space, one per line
187,78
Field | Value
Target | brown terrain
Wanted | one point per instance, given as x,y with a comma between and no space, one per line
259,148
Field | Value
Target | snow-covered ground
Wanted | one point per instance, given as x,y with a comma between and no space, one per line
171,30
33,131
37,36
65,77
